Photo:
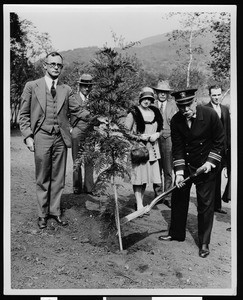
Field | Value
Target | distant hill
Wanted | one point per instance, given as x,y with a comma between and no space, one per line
79,54
153,40
155,53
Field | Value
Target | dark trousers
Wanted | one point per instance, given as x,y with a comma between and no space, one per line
217,200
78,137
50,167
166,165
179,211
227,192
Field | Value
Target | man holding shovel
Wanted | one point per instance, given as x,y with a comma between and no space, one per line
197,141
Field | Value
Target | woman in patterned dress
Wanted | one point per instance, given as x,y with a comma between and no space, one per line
146,122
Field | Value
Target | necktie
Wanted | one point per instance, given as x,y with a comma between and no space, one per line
218,111
162,107
190,122
53,90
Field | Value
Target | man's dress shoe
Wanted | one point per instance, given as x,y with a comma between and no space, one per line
59,220
42,222
204,251
166,238
90,193
221,211
76,191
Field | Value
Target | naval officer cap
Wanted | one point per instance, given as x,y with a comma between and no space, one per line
184,97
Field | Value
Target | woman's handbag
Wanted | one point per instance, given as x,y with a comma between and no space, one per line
139,153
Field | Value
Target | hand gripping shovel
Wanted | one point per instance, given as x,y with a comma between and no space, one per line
147,208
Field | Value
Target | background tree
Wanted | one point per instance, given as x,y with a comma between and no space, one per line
220,63
37,44
187,40
179,81
20,69
72,71
27,45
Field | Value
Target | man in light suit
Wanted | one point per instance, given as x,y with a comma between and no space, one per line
44,123
78,133
168,108
215,93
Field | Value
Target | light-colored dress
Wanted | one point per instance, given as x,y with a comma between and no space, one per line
147,172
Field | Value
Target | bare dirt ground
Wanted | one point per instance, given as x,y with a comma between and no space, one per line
85,255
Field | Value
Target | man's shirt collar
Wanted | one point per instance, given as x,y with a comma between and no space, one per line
49,82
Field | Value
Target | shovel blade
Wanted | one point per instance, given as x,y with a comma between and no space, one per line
147,208
134,215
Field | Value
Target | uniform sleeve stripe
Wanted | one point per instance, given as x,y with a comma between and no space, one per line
179,162
214,156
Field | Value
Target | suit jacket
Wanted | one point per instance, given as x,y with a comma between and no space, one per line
225,119
33,107
202,142
170,110
82,124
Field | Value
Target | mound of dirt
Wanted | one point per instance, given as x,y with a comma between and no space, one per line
85,255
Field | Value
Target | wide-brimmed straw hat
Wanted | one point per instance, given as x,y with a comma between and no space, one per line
163,86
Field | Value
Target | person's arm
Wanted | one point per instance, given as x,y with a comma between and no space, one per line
214,157
129,122
24,116
76,109
153,137
178,153
130,125
228,134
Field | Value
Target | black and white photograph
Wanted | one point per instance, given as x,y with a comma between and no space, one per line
120,150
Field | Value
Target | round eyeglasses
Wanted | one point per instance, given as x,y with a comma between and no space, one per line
53,65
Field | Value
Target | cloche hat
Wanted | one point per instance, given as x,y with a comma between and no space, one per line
146,92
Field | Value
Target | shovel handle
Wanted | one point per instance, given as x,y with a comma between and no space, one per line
158,198
147,208
198,172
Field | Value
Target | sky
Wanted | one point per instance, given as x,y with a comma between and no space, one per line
78,26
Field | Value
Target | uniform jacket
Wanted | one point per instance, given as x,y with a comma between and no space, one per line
170,110
33,107
198,144
225,119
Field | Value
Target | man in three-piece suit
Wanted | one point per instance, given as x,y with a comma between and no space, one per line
78,133
215,93
197,141
44,123
167,108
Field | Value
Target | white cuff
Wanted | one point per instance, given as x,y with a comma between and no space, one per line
180,172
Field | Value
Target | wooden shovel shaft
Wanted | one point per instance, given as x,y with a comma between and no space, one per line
147,208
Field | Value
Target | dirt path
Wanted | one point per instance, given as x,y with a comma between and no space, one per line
84,256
